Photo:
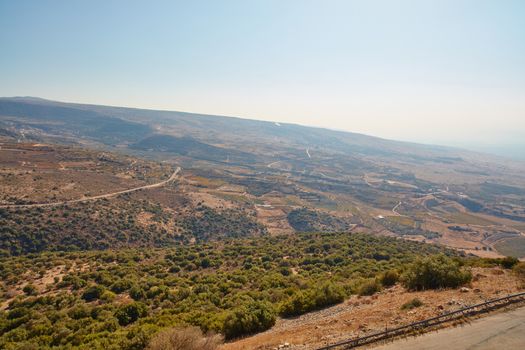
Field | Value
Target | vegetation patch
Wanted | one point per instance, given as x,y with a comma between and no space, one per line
306,220
121,299
313,299
208,223
412,304
435,272
405,226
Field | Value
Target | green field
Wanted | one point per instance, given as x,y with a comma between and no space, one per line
469,219
512,247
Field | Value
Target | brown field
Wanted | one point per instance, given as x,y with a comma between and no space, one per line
39,174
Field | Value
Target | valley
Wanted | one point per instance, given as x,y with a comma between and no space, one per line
264,233
262,175
351,182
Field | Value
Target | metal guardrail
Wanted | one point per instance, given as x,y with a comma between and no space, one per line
450,316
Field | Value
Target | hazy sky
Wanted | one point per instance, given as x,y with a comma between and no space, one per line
449,72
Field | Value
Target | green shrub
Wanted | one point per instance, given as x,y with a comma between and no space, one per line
298,304
305,301
121,286
412,304
30,289
129,313
325,263
247,319
18,312
508,262
137,293
435,272
389,278
369,287
93,293
108,296
78,312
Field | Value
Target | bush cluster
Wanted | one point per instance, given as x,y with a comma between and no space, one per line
247,319
312,299
120,299
412,304
435,272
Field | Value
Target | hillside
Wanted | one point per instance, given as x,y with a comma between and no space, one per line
117,223
46,203
118,299
267,172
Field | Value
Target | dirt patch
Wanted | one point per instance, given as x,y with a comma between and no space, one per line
211,201
33,174
274,219
40,282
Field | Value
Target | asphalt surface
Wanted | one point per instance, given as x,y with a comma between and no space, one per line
502,331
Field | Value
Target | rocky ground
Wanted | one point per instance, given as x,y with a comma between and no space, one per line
359,316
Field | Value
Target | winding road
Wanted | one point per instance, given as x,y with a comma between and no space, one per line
394,209
88,199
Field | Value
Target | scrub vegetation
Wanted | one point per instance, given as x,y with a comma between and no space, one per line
235,287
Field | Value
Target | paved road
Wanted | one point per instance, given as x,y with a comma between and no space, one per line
502,331
87,199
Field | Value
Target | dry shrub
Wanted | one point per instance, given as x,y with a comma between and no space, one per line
190,338
519,270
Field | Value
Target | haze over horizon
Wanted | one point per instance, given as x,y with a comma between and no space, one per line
436,72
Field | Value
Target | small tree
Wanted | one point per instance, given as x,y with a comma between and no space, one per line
369,287
508,262
30,289
435,272
129,313
137,293
313,299
389,278
247,319
93,293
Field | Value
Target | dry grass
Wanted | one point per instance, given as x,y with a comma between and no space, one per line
402,220
190,338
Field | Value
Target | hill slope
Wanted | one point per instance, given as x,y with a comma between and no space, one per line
272,172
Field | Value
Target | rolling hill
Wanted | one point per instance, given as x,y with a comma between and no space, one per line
268,173
118,223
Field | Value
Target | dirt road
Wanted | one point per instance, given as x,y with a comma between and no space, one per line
500,331
87,199
394,209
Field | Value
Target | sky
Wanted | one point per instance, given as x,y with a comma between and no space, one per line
448,72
